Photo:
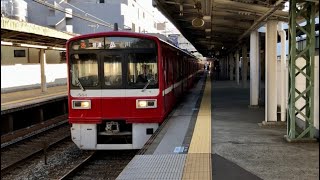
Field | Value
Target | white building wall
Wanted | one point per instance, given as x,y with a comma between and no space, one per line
22,72
17,76
140,16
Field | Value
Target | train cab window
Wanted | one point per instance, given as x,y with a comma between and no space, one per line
84,70
112,70
142,70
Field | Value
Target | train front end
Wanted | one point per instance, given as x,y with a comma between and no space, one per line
114,90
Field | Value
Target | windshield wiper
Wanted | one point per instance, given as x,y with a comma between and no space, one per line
80,85
145,86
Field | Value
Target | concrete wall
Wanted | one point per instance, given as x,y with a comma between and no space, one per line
7,55
18,77
32,56
301,84
24,72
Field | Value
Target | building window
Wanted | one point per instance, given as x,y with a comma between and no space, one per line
143,15
154,24
19,53
101,1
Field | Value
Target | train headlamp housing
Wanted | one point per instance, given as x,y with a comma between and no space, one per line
81,104
146,103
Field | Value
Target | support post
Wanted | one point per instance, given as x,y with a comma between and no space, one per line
262,74
271,69
43,71
244,66
231,62
301,100
282,34
237,67
227,67
254,68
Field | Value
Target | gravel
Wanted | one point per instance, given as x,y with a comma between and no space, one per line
60,160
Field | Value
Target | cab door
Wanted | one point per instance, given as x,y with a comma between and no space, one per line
113,85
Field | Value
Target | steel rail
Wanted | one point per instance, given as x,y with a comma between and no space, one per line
78,166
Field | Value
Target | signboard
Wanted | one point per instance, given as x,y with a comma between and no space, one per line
112,43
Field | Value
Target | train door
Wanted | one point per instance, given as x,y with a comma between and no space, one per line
168,90
113,85
164,82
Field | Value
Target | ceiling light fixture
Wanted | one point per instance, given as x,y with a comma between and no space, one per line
6,43
197,22
33,46
181,10
206,18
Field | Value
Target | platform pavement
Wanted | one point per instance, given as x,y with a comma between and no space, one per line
241,147
25,97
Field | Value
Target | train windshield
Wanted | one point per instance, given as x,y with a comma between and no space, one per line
113,63
84,70
142,69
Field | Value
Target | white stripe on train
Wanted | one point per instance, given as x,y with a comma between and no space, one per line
123,92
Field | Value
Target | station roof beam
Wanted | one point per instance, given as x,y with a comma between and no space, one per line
224,21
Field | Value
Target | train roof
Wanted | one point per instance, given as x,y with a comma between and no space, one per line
154,36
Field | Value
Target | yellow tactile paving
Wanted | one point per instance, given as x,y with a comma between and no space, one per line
198,162
201,138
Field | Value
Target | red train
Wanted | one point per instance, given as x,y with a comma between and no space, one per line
122,85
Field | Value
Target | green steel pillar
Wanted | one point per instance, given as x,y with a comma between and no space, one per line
301,102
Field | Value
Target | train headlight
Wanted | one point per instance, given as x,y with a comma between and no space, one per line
146,103
81,104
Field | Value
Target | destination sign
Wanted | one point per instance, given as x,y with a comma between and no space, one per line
112,43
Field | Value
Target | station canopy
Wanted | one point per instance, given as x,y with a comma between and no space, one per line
214,27
19,32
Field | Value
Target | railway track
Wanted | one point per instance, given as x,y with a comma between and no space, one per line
100,165
25,133
16,153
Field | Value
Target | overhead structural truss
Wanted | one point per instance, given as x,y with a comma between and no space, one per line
301,66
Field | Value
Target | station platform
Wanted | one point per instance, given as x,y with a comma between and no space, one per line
213,134
27,98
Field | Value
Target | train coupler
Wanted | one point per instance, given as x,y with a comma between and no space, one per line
112,127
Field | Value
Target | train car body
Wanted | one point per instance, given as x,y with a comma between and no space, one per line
121,86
